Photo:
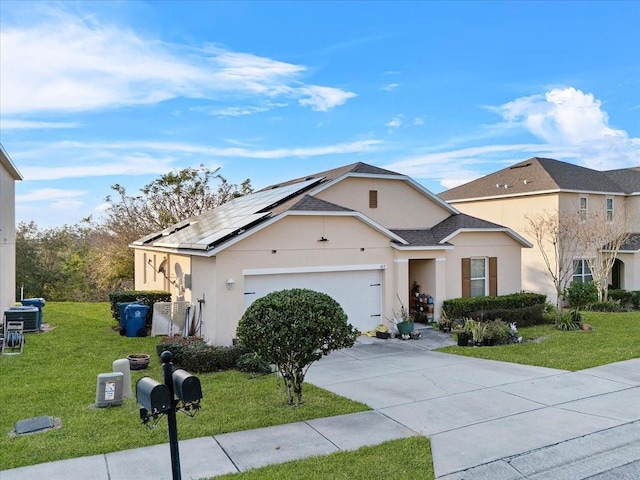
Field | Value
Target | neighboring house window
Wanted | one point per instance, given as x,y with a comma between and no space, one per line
609,209
581,271
584,205
373,199
479,276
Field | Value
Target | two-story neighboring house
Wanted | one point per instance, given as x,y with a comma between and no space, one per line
541,184
359,233
9,174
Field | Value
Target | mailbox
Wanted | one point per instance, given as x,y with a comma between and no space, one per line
153,396
186,386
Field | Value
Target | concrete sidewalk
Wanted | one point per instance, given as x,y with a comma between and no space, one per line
486,420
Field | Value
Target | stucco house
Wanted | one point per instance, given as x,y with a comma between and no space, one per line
9,174
359,233
543,184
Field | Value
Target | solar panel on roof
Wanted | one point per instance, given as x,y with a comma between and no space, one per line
210,227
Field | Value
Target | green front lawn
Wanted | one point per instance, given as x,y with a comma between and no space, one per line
57,373
404,459
615,337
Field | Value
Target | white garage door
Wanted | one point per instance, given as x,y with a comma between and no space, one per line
358,292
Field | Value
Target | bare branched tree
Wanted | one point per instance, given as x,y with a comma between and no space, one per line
558,243
165,201
601,235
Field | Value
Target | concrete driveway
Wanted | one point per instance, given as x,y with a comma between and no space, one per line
496,420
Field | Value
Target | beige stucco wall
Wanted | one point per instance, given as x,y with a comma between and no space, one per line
399,204
513,212
147,277
295,242
7,240
484,245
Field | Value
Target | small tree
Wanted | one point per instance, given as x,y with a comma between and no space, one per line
601,236
559,245
292,329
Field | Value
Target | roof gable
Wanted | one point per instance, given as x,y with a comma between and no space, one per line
440,234
6,162
537,175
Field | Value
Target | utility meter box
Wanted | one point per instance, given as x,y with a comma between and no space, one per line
109,390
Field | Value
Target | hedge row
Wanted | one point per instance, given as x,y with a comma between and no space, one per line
525,309
626,297
195,355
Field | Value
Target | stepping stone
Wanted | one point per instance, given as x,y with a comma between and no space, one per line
31,425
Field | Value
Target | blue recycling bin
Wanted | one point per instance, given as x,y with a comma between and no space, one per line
136,320
121,308
35,302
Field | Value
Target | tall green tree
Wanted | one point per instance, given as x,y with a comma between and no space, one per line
53,263
171,198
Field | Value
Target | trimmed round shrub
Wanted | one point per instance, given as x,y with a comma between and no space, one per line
293,328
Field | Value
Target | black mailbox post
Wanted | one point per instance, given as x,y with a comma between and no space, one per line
157,399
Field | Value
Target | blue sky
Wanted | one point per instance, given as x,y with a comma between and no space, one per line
98,93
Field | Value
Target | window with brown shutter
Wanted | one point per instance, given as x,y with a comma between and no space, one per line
493,276
475,277
373,199
466,277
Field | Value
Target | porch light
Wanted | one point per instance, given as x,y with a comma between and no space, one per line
230,283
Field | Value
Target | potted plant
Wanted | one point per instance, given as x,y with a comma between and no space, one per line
404,322
478,330
464,333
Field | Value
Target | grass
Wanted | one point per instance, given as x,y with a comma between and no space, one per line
56,376
614,338
404,459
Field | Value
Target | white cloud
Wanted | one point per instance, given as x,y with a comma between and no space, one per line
142,158
239,111
66,205
12,124
571,124
471,162
61,62
390,86
49,194
568,117
418,121
322,99
395,122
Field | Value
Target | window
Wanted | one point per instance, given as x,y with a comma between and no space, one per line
581,271
478,277
584,204
609,209
373,199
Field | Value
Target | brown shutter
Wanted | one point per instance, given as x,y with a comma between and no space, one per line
466,277
373,199
493,276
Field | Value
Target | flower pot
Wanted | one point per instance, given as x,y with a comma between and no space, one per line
138,361
405,328
463,339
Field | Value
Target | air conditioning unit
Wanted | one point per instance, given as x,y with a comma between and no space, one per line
29,316
109,390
